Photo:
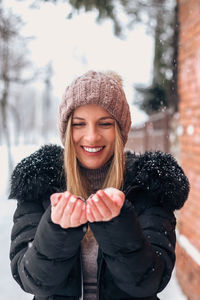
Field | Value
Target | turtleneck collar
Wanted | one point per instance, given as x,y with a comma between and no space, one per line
96,177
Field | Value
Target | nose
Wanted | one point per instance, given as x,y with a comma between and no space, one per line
92,136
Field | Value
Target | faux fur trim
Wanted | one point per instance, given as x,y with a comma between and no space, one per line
39,174
157,173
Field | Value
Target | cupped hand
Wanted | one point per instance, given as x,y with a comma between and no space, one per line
67,210
104,205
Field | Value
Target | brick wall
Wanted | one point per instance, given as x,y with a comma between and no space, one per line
188,270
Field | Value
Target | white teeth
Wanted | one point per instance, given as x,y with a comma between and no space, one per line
92,149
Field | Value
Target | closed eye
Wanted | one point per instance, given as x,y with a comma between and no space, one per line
101,124
106,124
78,124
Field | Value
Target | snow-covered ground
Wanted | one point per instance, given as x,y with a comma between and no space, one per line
9,290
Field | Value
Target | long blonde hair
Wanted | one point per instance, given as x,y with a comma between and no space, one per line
75,182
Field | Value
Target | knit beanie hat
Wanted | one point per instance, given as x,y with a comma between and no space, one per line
104,89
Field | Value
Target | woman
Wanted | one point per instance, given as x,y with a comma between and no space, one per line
93,221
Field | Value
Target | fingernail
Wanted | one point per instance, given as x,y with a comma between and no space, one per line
72,199
53,203
95,198
66,194
54,200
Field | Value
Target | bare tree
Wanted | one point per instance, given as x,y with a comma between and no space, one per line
47,101
13,63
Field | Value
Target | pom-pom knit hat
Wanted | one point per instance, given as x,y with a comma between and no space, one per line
104,89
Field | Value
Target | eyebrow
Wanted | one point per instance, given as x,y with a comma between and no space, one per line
103,118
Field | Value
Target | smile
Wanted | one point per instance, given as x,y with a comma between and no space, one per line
93,150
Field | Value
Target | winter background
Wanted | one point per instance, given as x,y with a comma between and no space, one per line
73,47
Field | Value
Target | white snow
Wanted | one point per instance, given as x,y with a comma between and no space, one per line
190,129
8,286
9,289
191,250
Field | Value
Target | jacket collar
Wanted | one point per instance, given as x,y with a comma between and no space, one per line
155,173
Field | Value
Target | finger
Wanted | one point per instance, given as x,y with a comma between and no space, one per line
66,216
106,199
62,203
95,211
76,213
119,198
58,209
83,218
70,206
54,198
90,216
116,195
102,207
113,207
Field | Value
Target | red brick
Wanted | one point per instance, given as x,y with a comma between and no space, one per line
188,271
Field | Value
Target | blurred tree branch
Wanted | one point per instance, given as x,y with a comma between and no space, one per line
13,63
161,21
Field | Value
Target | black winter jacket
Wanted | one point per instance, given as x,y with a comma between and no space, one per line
136,249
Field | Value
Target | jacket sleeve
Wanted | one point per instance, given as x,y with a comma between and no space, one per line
138,251
42,253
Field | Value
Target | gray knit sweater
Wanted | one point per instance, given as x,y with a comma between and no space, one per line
89,246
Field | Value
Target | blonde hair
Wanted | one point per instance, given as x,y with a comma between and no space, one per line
75,182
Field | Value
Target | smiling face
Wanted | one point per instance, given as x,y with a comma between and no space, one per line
93,133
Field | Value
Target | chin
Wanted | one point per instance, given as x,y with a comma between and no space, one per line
93,165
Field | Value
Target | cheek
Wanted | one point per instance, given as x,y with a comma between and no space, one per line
112,136
111,139
75,136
